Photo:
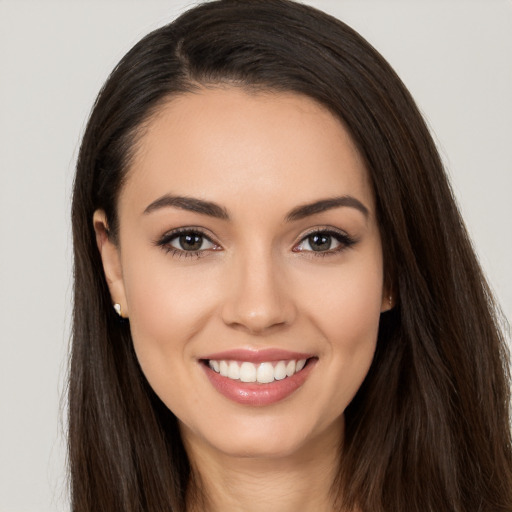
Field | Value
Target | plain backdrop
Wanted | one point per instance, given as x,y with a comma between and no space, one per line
455,56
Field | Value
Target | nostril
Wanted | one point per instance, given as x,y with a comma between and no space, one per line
257,301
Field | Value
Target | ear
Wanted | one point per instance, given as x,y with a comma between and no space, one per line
111,259
388,299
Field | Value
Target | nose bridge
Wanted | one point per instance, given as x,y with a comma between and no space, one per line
257,297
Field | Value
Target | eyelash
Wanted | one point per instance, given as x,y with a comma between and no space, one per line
342,238
166,240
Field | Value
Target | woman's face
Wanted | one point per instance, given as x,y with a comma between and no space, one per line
248,243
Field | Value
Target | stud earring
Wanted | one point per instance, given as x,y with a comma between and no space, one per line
117,307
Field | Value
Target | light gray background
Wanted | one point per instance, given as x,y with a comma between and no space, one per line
455,56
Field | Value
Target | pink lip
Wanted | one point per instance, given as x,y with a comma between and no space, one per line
257,356
255,394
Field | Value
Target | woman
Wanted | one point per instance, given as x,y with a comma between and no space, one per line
299,319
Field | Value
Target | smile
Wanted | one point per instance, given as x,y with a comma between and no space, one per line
258,378
263,373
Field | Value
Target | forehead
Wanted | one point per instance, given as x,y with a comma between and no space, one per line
237,147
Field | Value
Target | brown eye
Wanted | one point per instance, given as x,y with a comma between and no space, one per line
190,241
320,242
329,242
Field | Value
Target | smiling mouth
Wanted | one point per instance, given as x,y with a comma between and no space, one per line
262,373
258,378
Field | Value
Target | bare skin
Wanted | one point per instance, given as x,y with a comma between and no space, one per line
300,482
255,271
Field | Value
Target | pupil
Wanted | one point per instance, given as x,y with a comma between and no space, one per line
191,242
320,242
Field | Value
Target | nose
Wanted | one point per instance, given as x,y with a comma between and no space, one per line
257,298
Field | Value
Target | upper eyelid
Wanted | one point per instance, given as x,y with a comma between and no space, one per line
188,229
323,229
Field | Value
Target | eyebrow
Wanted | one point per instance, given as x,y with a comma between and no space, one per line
191,204
214,210
326,204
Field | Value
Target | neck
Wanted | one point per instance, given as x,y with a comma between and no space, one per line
299,481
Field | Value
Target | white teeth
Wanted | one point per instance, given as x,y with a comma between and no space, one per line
280,370
300,365
223,368
263,373
247,372
233,370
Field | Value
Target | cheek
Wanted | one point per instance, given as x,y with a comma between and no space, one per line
347,302
168,307
347,315
352,317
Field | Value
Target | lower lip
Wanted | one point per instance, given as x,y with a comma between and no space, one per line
254,394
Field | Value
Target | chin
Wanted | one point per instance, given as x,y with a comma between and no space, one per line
268,437
261,447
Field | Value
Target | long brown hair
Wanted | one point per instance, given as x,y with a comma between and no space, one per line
429,430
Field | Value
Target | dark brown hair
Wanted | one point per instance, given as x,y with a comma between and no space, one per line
429,430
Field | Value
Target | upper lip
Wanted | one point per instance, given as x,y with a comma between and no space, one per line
257,356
